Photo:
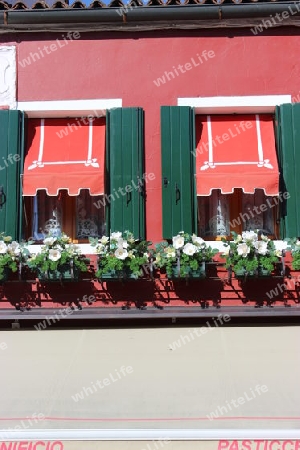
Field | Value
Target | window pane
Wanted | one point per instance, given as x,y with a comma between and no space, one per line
47,215
90,215
252,217
213,215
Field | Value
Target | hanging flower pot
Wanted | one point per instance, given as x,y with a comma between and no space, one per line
65,272
118,275
120,256
4,274
12,255
259,272
178,272
58,260
251,255
185,258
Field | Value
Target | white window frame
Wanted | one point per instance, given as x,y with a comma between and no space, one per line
248,104
68,108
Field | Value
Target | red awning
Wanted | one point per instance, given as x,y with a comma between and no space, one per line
65,154
236,152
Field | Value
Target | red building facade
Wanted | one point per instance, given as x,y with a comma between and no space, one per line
231,71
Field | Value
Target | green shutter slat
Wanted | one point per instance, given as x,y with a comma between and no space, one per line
178,170
288,144
11,137
125,168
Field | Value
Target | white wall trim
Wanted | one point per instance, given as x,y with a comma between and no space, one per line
151,434
228,105
68,108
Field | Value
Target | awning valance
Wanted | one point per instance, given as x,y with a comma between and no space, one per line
236,152
65,154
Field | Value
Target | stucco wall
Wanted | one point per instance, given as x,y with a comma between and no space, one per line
127,65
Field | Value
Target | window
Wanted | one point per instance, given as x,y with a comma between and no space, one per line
80,217
223,187
236,166
42,192
64,176
220,214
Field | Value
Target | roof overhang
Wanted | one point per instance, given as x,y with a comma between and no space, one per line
144,18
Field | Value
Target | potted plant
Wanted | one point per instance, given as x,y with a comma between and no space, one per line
250,254
120,256
294,245
12,255
59,259
186,257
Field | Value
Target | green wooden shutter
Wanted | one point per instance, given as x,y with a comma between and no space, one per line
288,148
12,143
125,167
178,170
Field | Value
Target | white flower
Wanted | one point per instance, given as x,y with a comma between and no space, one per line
104,240
54,254
297,243
65,238
14,248
3,247
249,236
238,238
189,249
278,253
261,247
125,244
100,248
120,253
197,240
170,252
49,240
72,249
178,242
264,238
243,250
226,251
117,235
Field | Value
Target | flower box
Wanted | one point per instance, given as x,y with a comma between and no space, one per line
120,256
251,254
59,259
294,245
199,273
260,272
5,274
12,255
118,275
185,258
65,273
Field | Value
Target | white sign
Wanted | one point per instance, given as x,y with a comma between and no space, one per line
8,76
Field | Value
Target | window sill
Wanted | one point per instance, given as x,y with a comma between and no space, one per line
87,249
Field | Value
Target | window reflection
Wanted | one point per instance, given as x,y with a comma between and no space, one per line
219,213
47,215
253,217
90,215
214,214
